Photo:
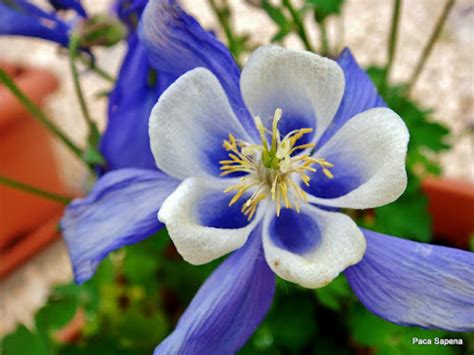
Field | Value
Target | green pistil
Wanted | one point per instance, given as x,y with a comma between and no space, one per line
269,160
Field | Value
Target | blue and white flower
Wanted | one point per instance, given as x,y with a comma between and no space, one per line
293,96
261,163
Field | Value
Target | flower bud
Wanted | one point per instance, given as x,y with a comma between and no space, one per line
100,30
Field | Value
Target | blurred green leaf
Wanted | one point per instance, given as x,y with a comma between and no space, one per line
293,324
325,8
333,295
140,263
56,314
368,329
388,338
101,345
23,342
93,156
408,219
136,329
262,342
281,34
277,15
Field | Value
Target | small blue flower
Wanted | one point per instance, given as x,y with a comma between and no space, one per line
246,163
22,18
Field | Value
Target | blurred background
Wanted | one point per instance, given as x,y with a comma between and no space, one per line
35,276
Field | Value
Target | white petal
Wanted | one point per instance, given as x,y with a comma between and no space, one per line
308,88
338,244
201,224
369,150
189,124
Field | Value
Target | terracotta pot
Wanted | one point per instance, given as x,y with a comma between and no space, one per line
29,244
451,205
26,155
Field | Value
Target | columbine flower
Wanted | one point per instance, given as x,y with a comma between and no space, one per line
318,142
234,179
20,17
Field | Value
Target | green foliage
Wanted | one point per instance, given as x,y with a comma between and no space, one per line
325,8
293,330
390,339
284,330
278,15
23,341
93,157
129,304
334,295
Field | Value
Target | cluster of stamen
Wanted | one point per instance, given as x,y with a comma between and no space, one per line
270,167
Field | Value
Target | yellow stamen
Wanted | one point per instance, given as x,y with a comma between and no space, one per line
275,131
271,169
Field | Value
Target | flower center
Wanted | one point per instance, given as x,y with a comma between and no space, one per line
271,167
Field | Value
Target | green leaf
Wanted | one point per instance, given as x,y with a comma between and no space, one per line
388,338
377,75
280,35
333,295
275,13
93,157
407,219
139,330
103,345
138,266
262,341
430,135
54,315
367,329
23,342
325,8
293,324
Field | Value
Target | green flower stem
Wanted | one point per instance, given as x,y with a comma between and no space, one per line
223,16
73,53
34,190
392,44
93,66
300,28
324,50
429,46
39,114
